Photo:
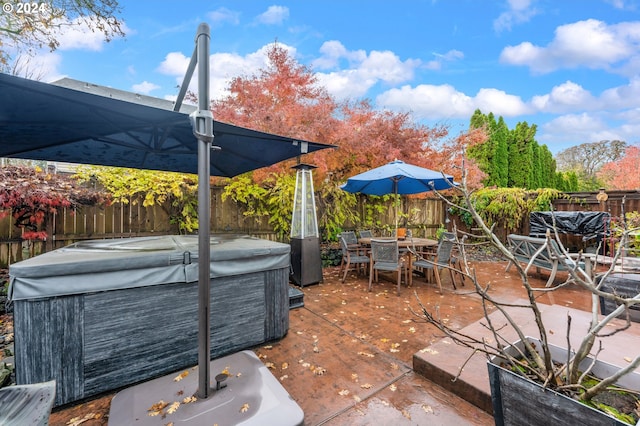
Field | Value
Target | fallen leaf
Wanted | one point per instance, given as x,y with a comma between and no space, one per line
406,414
367,354
356,398
354,376
394,366
366,386
343,392
427,408
270,365
244,408
406,321
412,329
319,371
626,358
284,366
173,407
181,376
156,408
189,399
384,340
284,377
268,347
393,387
315,349
78,421
306,364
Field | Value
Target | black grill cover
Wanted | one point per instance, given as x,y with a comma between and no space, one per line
588,224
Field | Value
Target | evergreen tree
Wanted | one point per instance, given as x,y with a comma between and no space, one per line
501,158
521,155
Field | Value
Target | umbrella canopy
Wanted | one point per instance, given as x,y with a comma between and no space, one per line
89,124
398,178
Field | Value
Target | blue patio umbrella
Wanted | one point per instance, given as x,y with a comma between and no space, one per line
399,178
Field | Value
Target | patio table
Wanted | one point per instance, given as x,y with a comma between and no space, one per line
405,243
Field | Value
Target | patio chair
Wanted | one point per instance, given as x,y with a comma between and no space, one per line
352,255
350,238
442,259
365,233
385,256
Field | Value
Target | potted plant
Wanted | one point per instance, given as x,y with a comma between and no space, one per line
528,373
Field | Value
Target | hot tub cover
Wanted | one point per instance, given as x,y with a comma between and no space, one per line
102,265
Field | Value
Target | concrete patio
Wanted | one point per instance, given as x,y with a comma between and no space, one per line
353,357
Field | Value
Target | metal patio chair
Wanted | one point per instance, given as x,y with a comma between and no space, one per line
431,263
385,256
352,255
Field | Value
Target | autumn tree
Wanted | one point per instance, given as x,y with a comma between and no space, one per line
624,173
586,160
29,195
27,26
285,98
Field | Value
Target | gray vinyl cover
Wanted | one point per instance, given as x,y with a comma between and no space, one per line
102,265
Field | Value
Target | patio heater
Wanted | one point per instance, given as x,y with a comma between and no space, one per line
306,263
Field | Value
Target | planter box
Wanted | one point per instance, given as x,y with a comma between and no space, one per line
99,315
519,401
625,285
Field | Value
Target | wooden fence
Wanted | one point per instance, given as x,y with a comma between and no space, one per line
134,220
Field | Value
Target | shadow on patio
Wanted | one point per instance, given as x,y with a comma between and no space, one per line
348,358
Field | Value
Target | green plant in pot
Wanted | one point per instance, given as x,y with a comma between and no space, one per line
526,371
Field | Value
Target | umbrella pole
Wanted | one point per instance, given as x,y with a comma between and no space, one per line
202,122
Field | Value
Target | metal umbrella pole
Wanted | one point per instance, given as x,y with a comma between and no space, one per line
202,122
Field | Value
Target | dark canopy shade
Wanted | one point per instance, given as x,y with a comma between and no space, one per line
88,124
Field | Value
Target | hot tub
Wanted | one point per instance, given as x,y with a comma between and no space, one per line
99,315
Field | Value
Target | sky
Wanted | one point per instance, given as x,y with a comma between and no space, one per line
571,67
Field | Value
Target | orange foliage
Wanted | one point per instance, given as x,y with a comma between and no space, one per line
623,173
286,99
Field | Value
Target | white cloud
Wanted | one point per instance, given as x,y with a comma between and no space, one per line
450,56
361,71
223,68
568,130
566,97
223,15
520,11
428,101
621,97
347,84
591,44
77,35
175,63
333,51
274,15
43,66
145,87
444,101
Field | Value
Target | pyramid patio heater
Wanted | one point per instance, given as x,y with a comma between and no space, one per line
306,263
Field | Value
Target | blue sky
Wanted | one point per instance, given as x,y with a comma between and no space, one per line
572,67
